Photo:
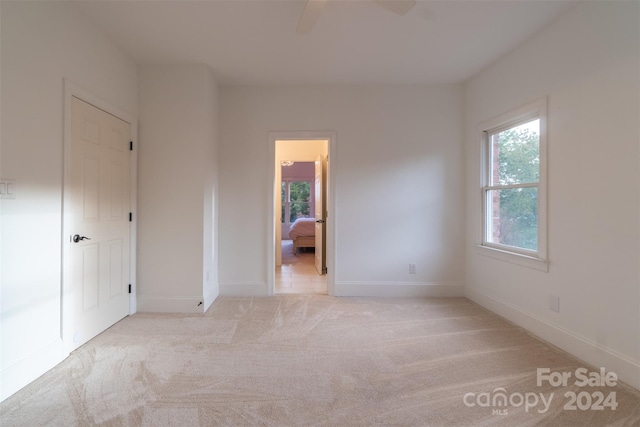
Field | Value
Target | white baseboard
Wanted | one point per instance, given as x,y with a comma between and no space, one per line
244,289
27,370
398,289
627,369
152,304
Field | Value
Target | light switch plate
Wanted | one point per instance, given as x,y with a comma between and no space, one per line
7,188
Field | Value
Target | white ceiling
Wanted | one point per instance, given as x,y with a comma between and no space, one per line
353,42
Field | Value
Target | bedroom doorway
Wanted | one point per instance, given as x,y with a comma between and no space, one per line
301,172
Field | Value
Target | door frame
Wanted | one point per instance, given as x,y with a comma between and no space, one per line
72,90
330,231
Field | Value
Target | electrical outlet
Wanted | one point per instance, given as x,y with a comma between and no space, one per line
554,303
412,269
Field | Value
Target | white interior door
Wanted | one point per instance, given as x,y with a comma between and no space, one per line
320,256
99,227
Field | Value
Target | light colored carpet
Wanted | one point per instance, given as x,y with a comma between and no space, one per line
309,361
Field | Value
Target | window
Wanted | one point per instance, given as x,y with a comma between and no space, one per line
513,182
296,200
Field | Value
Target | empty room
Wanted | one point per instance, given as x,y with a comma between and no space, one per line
284,213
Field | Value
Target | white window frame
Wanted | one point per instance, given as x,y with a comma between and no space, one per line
534,259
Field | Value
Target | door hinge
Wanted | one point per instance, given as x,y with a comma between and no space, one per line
130,216
130,145
129,287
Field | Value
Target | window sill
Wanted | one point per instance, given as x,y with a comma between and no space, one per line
514,258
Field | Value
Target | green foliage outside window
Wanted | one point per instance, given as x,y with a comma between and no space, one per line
519,162
298,202
299,197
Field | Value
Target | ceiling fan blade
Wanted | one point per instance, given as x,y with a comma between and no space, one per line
399,7
310,14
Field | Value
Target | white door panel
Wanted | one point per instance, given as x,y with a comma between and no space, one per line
99,206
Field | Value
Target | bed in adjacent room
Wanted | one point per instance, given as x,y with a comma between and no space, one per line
303,233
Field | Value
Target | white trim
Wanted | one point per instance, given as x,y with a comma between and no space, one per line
627,369
537,108
513,257
244,289
72,90
528,110
397,289
331,200
209,299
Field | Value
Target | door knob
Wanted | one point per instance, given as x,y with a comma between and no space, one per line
78,238
320,221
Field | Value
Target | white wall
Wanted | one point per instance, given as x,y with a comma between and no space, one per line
177,182
42,43
587,63
399,186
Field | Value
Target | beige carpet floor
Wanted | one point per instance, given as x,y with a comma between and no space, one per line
313,361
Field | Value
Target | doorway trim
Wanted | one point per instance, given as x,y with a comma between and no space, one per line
72,90
330,136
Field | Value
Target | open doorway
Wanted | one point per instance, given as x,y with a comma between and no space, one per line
300,208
